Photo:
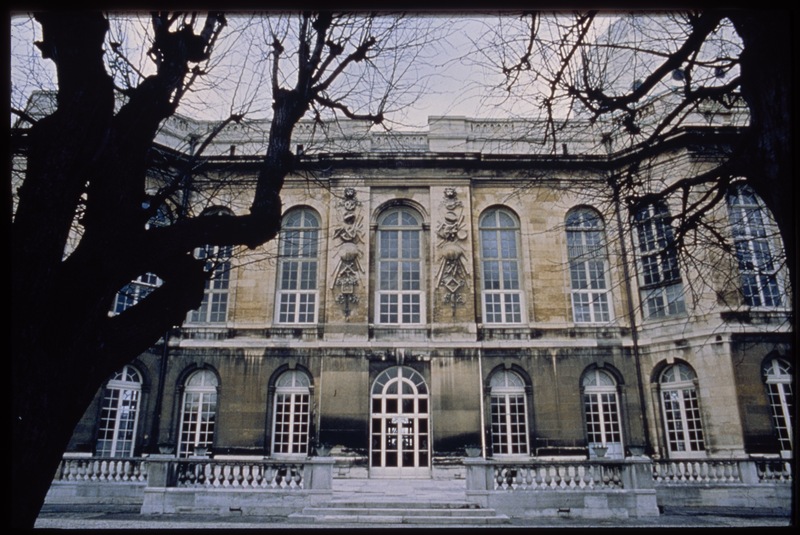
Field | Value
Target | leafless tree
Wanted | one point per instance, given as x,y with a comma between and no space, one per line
84,199
642,77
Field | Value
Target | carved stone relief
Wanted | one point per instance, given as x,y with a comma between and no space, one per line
347,275
453,274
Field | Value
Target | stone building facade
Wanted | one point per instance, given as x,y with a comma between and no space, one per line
455,289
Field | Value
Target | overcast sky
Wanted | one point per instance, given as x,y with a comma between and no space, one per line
455,76
452,85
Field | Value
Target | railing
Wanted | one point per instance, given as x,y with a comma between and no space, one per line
249,486
102,470
557,475
774,471
721,472
239,474
551,476
702,471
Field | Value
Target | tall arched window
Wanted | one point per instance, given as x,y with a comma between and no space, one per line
601,409
145,284
291,414
198,412
119,415
297,268
660,278
757,267
399,299
214,308
501,291
681,411
509,409
135,291
586,251
778,379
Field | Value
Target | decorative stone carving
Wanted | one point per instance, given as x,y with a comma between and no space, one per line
347,274
453,274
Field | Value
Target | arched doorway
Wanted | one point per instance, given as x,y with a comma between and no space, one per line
399,424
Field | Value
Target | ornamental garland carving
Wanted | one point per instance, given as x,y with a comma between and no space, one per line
347,275
453,274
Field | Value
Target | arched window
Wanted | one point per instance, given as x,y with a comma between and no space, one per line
119,415
297,268
778,379
214,307
198,412
291,414
399,423
601,409
586,251
501,291
681,411
757,267
143,285
399,299
660,278
135,291
509,410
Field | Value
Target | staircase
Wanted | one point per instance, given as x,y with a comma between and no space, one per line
417,502
378,512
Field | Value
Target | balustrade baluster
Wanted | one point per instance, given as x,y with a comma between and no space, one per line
298,478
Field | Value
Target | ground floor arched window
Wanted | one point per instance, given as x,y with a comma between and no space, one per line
601,410
198,413
680,408
778,379
509,413
119,415
291,414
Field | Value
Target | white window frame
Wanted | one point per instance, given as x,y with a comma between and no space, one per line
215,305
586,253
135,291
119,416
508,409
298,302
660,284
511,301
760,279
777,374
677,387
291,415
198,412
400,429
399,302
602,412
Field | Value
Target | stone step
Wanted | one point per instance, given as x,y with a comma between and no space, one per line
411,511
394,504
398,519
380,512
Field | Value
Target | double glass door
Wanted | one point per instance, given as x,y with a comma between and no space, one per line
399,426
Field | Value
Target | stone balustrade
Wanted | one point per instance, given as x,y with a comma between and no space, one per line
551,476
597,488
630,487
246,486
239,474
102,469
721,472
774,470
539,475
